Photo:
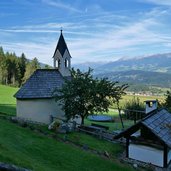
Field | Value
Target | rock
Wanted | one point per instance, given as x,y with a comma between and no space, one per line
106,154
135,165
9,167
85,147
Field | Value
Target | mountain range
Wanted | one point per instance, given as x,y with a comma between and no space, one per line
154,70
155,63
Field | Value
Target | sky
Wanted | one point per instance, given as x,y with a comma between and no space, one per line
94,30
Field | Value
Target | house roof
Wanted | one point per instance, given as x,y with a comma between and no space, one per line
157,122
41,84
61,45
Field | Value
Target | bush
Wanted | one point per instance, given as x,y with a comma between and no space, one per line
131,107
167,102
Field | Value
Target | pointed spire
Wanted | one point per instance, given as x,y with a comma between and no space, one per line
62,57
61,45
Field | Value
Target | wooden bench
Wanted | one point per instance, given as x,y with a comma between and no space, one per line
94,130
100,126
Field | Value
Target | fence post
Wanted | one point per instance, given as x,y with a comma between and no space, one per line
51,118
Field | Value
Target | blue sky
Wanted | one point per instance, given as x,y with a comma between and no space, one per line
95,30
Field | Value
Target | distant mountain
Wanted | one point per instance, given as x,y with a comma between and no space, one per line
139,77
86,65
157,63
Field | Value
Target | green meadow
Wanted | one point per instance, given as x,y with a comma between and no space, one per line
142,98
7,101
30,149
26,148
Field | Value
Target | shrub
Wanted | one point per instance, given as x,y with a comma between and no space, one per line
167,102
132,107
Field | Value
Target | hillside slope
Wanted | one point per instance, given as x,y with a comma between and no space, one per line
25,148
7,101
157,63
140,77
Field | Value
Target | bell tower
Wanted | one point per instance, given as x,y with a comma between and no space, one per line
62,57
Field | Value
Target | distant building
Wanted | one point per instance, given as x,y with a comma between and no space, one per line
35,99
150,139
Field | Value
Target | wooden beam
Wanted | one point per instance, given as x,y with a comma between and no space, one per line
165,156
127,147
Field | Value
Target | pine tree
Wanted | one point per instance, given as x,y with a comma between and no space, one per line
30,68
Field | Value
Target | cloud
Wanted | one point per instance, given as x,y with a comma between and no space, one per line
93,37
158,2
61,5
42,51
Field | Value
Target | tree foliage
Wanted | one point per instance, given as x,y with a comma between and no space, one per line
13,68
84,95
167,102
30,68
133,106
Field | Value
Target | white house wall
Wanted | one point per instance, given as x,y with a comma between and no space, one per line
38,109
169,156
146,154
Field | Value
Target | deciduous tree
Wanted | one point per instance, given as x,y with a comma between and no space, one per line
84,95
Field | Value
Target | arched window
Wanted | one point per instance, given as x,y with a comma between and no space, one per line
59,63
66,63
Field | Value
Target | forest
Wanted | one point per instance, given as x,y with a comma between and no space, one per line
15,70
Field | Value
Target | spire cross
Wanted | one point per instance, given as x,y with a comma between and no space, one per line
61,30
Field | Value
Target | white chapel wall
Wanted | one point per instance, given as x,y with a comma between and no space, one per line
38,109
65,71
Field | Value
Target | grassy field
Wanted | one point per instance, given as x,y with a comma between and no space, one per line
7,101
25,148
28,149
116,125
127,98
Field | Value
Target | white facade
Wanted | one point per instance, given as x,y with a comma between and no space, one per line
38,109
146,154
63,63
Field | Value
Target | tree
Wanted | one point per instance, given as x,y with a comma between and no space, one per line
167,102
30,68
22,66
133,106
83,95
47,67
2,66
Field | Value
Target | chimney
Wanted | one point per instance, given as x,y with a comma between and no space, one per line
151,105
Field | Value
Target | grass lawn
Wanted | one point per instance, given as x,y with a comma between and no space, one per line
127,98
7,101
28,149
116,125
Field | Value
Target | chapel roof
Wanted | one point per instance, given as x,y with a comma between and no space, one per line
41,84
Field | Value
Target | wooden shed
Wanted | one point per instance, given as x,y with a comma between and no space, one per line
150,139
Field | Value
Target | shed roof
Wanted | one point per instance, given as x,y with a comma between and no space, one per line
41,84
157,122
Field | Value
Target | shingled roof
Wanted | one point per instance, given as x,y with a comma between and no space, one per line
157,122
61,45
41,84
